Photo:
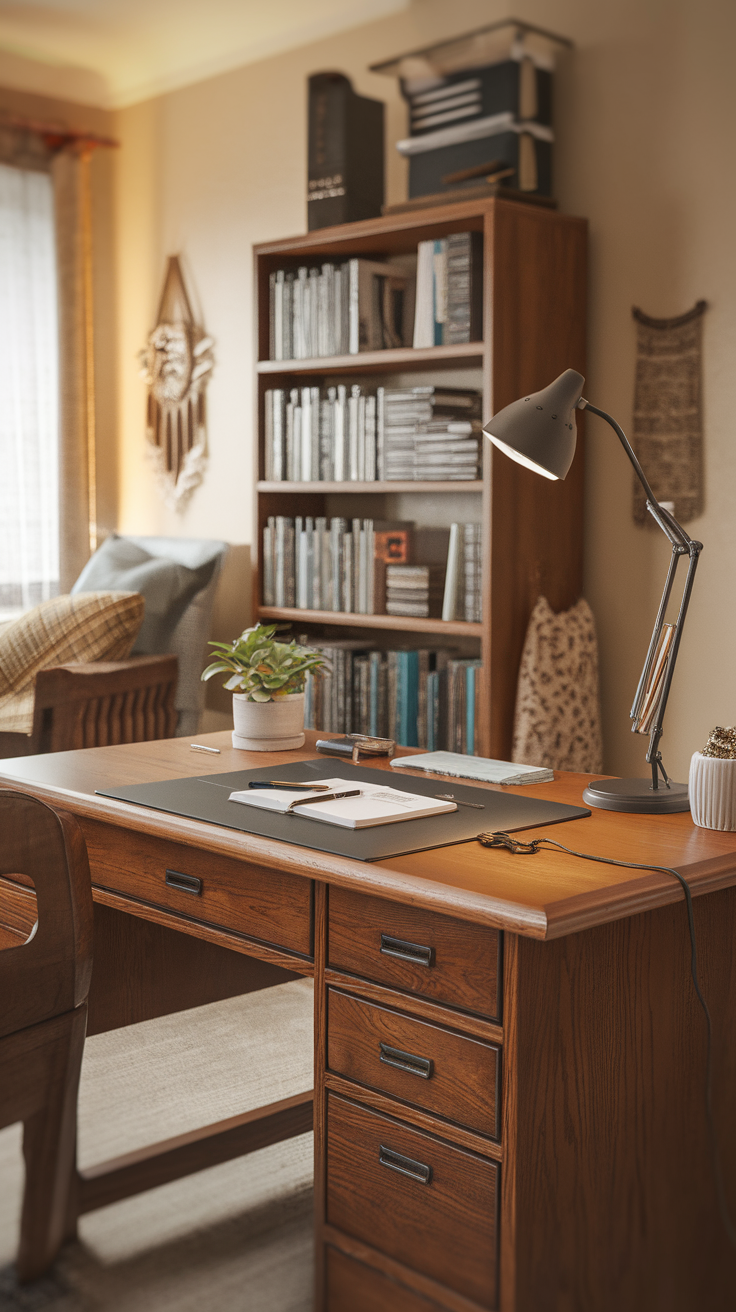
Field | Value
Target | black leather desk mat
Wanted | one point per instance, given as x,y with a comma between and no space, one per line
205,797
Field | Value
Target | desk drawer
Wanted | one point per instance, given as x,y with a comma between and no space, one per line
426,1065
250,899
354,1287
451,961
422,1202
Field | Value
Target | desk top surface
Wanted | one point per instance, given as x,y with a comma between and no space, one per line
542,896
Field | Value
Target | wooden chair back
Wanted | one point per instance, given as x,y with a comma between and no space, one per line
50,974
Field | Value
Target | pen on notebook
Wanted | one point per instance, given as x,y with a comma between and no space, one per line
200,747
328,797
280,783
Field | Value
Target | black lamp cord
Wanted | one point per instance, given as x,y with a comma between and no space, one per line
517,846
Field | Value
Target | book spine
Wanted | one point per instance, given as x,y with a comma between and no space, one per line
272,315
449,601
341,418
380,434
306,435
278,316
268,461
424,304
370,438
267,571
354,307
353,433
312,343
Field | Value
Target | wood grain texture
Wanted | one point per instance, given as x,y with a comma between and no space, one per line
172,1159
433,357
321,894
464,968
615,1200
43,991
239,895
543,896
535,525
445,1229
449,1131
354,1287
462,1084
399,1273
394,623
416,1006
93,704
221,938
143,970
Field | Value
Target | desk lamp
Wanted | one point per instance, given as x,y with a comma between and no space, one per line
539,432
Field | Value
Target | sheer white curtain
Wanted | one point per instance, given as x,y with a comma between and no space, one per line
29,392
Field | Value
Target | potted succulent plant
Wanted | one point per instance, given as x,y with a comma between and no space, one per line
267,681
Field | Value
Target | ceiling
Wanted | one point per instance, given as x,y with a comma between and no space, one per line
116,52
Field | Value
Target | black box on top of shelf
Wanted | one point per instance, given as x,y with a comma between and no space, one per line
345,153
530,157
513,86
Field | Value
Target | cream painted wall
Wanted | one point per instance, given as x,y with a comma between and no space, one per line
645,120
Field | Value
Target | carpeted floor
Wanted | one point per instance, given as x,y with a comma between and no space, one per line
236,1238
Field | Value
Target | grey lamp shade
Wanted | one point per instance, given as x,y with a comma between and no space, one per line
539,431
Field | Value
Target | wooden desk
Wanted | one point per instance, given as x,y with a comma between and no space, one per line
509,1097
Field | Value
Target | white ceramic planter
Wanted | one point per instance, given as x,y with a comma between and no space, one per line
268,726
712,791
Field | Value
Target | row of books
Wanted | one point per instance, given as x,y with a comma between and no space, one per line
338,309
420,698
372,567
368,305
449,296
353,434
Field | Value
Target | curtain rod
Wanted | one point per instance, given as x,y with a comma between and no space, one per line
55,136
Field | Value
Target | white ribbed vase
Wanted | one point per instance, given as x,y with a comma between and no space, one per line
712,792
268,726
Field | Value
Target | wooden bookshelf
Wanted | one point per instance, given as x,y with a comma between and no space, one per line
380,362
353,620
533,329
455,485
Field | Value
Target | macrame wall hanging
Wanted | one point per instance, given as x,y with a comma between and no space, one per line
176,365
668,418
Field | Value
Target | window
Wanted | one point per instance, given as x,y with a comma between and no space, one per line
29,392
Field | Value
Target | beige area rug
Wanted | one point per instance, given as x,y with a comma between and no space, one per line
236,1238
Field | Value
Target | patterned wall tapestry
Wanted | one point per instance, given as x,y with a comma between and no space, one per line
176,364
668,420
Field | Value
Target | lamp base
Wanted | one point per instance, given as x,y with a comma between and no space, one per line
636,795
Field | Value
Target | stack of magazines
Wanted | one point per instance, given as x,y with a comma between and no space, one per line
419,698
431,433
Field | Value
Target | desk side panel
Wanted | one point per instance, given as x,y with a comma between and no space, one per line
615,1203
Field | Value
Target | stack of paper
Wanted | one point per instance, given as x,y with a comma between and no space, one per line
475,767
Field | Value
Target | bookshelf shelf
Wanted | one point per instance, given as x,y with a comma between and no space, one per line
533,327
456,485
379,362
351,619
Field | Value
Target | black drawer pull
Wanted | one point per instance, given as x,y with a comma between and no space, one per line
184,883
406,1061
414,952
405,1165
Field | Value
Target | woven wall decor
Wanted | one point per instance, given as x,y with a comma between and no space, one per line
668,419
557,719
176,365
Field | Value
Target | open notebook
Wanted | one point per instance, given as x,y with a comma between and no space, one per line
375,804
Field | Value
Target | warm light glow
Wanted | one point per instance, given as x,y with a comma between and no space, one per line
520,459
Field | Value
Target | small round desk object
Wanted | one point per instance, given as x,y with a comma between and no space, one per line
636,796
713,781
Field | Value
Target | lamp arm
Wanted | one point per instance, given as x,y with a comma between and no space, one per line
667,522
682,545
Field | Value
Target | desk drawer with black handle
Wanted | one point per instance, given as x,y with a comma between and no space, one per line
415,1198
450,961
269,905
442,1072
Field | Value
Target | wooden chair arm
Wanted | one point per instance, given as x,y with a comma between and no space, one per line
98,704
